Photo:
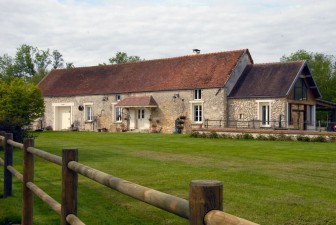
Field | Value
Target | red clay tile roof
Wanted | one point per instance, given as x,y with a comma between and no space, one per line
267,80
187,72
143,101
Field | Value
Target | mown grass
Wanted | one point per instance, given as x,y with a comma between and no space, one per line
265,182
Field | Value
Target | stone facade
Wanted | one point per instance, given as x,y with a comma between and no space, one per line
246,112
163,117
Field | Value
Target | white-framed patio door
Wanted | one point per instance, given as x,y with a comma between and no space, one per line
139,118
142,118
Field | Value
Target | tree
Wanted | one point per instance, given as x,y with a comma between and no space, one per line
57,59
24,61
20,102
121,57
323,68
6,68
69,65
29,63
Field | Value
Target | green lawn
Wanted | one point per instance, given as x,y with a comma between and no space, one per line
267,182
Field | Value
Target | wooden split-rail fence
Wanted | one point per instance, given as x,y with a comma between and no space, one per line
204,207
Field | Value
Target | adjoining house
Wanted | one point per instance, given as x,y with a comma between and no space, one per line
281,95
181,93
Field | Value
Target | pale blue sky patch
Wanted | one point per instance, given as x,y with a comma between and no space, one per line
91,31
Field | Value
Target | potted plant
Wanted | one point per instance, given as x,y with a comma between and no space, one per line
123,127
180,121
154,126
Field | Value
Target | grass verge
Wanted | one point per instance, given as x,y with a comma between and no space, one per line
265,182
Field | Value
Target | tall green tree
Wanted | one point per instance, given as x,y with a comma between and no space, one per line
7,70
122,57
57,59
323,68
29,63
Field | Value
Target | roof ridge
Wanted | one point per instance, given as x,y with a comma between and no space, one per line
160,59
270,63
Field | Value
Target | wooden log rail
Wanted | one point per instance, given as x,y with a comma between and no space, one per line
45,155
74,220
54,205
204,207
15,144
216,217
169,203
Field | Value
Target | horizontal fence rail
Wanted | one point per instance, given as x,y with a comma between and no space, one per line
74,220
205,197
216,217
45,155
54,205
15,144
16,173
170,203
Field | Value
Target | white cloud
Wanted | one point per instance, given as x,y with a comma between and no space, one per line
89,32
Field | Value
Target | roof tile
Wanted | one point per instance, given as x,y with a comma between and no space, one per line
267,79
186,72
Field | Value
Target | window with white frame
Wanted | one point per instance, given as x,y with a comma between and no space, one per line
197,94
265,113
118,114
88,109
198,113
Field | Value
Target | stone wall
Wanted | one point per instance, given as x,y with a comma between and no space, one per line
164,116
243,110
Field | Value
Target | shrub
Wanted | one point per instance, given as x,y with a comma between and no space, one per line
226,136
247,136
15,128
261,137
283,137
272,137
332,139
49,128
238,136
303,138
319,139
213,135
195,134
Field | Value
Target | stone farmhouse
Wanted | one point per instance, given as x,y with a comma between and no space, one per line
222,89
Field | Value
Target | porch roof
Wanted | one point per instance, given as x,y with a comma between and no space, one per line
325,105
143,101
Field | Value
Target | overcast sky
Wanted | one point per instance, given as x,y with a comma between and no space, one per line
89,32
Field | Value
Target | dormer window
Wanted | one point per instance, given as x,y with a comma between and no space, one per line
118,98
197,94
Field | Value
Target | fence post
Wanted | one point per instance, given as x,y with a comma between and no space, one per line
28,176
204,196
8,161
69,185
